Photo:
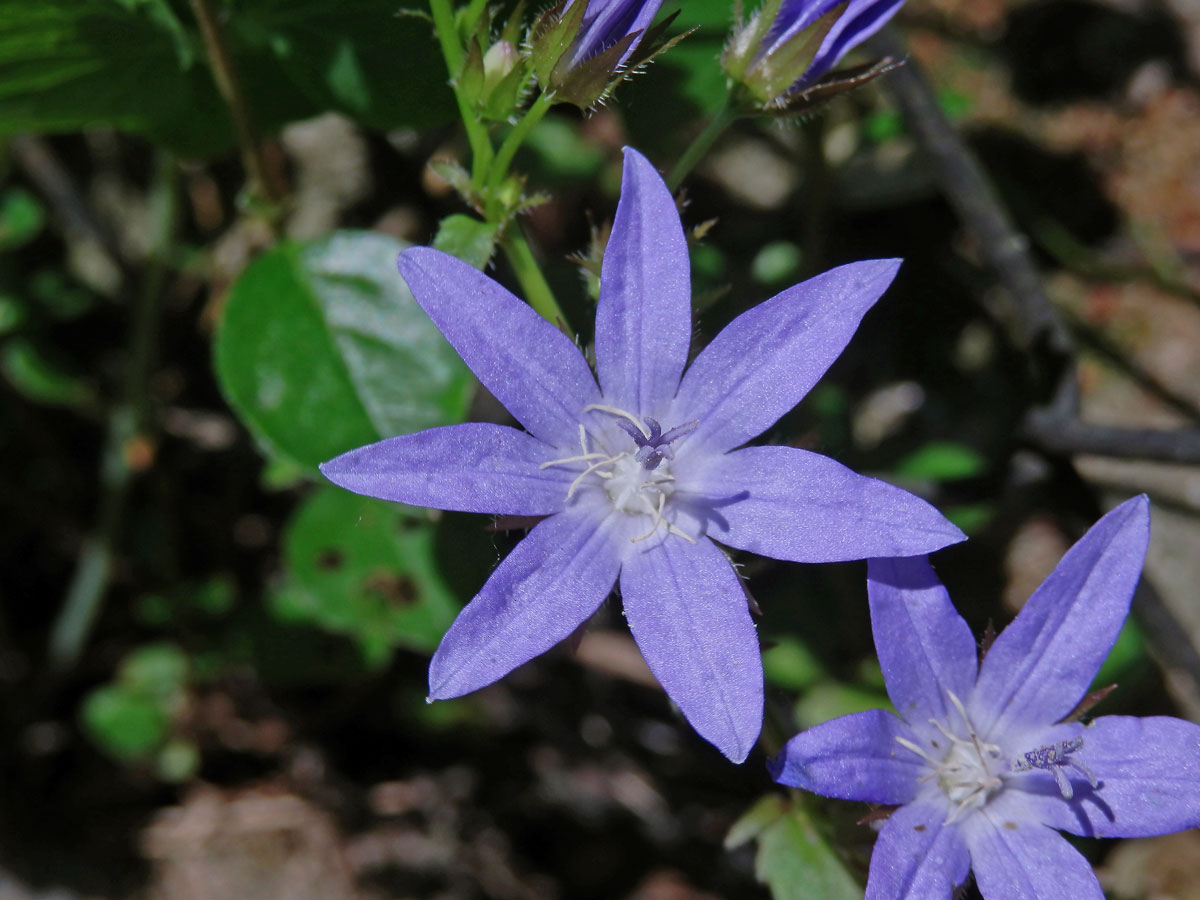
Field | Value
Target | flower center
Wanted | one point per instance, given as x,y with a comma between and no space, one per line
968,774
637,478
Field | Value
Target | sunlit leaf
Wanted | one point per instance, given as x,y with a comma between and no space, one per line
322,349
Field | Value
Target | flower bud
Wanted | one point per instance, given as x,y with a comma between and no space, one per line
790,45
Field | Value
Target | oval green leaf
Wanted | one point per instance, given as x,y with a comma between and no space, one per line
322,349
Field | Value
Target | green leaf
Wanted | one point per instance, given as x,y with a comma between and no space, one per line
158,670
126,724
833,699
793,858
12,314
364,568
322,349
942,461
130,718
355,56
21,218
38,378
790,664
466,237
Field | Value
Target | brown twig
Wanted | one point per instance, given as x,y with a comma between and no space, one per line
229,84
1029,315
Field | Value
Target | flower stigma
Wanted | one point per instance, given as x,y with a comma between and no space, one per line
638,480
1055,758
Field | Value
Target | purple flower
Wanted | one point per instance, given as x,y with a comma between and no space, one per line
606,23
639,474
980,759
804,40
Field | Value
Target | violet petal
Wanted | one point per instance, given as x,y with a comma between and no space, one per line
764,361
549,584
643,320
688,614
925,647
471,468
530,366
1043,663
917,857
1149,774
791,504
854,757
1025,860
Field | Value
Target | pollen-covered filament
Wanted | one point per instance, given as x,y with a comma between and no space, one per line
637,479
968,773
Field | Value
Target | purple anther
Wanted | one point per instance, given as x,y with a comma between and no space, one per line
654,447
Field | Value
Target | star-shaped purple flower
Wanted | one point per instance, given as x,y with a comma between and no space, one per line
980,759
639,474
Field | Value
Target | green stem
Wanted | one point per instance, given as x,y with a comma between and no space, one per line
726,116
452,53
512,142
129,419
447,34
529,274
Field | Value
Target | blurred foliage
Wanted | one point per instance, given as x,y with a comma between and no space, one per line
793,858
132,717
139,67
364,568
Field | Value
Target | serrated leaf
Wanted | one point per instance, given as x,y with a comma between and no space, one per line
364,568
322,349
468,238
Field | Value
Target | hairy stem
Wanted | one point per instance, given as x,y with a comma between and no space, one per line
452,53
516,137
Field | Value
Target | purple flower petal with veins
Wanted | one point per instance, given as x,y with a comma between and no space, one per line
978,759
638,468
605,22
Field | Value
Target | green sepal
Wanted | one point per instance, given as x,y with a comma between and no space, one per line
470,80
834,85
590,81
552,36
773,76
